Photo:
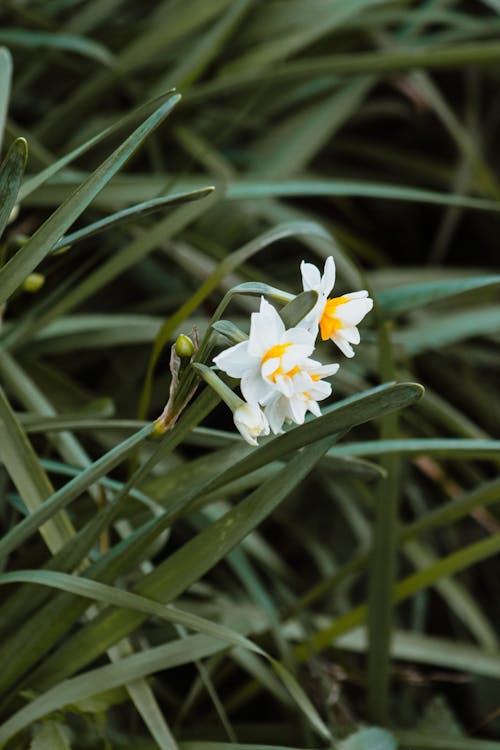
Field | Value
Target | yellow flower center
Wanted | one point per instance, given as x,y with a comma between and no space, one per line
329,322
276,352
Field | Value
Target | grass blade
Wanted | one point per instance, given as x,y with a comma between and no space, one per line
5,81
45,39
130,214
11,174
401,299
21,462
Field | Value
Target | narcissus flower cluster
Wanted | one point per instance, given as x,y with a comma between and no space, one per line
279,380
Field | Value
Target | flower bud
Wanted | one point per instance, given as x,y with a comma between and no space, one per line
33,282
251,422
184,347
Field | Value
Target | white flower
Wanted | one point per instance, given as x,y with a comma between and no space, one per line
308,388
276,372
271,357
337,317
251,422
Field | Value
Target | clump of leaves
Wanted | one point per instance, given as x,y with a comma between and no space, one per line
379,153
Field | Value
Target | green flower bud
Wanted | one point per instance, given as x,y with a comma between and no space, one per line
33,282
184,347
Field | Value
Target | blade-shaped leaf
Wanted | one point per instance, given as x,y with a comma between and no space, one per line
40,39
181,651
11,174
23,466
130,214
407,297
5,81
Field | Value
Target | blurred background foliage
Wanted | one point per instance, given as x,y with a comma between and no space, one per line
378,120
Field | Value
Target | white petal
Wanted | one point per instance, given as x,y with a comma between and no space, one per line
325,371
294,355
314,408
354,311
312,367
320,390
311,277
285,385
328,279
253,387
298,410
276,414
301,382
235,360
311,321
342,344
269,366
299,335
350,334
357,295
266,328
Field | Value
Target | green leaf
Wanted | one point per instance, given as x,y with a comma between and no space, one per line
419,740
192,65
11,174
383,559
230,331
288,147
302,700
338,417
62,497
371,738
127,189
304,29
238,746
484,495
195,558
296,310
446,447
43,240
305,186
130,214
35,181
446,566
21,462
52,735
407,297
173,654
390,62
452,327
116,597
45,39
5,82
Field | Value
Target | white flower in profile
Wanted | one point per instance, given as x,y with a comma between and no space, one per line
271,357
308,388
251,422
337,317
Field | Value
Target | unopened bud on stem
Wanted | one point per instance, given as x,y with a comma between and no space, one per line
184,347
33,282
